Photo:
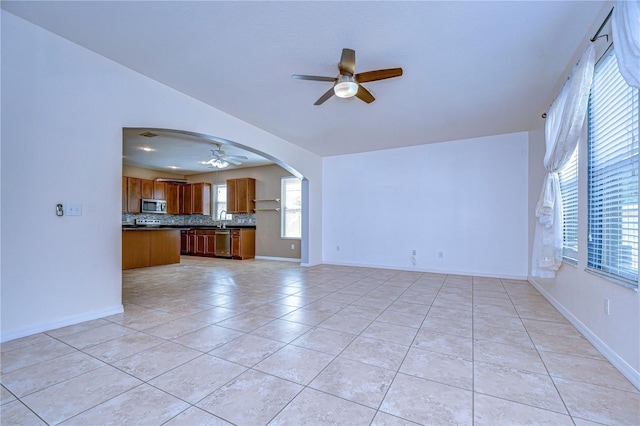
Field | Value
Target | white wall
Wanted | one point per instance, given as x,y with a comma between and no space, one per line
63,110
580,295
466,199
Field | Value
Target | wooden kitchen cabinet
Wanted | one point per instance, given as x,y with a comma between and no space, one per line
210,245
201,198
142,248
240,195
173,198
159,190
185,244
146,189
134,195
186,199
243,243
195,198
198,242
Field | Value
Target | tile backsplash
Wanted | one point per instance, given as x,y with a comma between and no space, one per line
189,220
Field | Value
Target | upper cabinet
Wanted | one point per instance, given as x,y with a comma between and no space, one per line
159,190
240,195
146,189
193,198
201,198
173,198
131,196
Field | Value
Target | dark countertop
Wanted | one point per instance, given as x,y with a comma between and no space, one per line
181,227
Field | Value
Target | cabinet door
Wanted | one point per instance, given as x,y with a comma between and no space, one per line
146,188
241,195
186,205
193,243
232,203
201,242
236,248
125,208
185,248
201,193
173,206
133,195
159,191
210,245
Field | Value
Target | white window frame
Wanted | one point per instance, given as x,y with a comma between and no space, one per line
290,207
613,176
216,210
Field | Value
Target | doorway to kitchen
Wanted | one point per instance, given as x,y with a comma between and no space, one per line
184,156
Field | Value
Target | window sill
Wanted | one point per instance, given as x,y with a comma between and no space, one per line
612,279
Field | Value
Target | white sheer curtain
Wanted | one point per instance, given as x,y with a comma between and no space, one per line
563,129
625,23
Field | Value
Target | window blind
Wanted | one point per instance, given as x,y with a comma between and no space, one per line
568,177
291,213
613,174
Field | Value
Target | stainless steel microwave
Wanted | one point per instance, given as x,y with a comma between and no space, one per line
153,206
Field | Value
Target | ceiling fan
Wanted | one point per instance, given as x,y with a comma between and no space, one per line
348,84
219,159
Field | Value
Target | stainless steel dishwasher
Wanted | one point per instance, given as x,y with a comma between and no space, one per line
223,243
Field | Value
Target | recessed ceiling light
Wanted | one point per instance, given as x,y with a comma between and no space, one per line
148,134
147,149
173,167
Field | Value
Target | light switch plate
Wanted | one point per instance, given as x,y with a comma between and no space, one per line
73,209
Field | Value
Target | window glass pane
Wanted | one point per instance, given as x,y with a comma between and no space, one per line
219,200
291,208
613,174
569,189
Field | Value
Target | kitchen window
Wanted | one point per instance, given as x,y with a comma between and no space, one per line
291,210
568,177
220,201
613,175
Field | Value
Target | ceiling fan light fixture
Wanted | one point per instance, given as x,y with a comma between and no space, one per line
217,163
346,87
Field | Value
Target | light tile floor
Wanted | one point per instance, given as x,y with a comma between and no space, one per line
215,342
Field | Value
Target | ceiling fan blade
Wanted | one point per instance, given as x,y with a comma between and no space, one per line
236,157
329,93
363,77
348,62
230,160
364,94
313,77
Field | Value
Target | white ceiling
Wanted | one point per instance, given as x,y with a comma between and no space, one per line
471,68
179,153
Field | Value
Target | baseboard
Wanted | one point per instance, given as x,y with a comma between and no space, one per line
279,259
432,271
622,366
63,322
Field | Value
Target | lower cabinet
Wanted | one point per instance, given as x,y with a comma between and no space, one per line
203,243
243,243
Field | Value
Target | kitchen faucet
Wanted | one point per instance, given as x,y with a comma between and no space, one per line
221,224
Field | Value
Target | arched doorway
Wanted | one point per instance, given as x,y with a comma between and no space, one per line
208,141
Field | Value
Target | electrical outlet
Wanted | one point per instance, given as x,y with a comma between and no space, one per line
293,246
440,255
337,248
414,252
606,306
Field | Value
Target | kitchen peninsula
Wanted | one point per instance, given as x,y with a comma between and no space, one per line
142,247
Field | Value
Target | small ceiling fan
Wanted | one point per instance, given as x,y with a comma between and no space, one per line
220,160
348,84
